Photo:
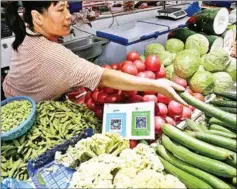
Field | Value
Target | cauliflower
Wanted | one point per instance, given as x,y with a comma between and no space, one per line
131,159
171,181
124,178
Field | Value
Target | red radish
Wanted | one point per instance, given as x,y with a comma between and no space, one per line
94,95
87,96
140,65
112,98
114,66
130,69
135,98
150,98
175,108
189,90
133,143
132,56
163,110
80,100
179,81
198,96
90,104
153,63
106,66
170,120
159,121
99,112
163,99
161,73
191,108
150,74
109,90
101,97
186,114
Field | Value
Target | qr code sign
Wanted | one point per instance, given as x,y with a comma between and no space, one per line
115,124
141,122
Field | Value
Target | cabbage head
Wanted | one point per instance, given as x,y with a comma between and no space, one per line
174,45
216,60
198,42
169,71
186,64
223,82
166,57
192,51
202,82
231,69
153,49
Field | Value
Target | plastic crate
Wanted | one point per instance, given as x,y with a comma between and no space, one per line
45,173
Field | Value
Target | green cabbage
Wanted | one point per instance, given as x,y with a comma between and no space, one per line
192,51
166,57
169,71
231,69
198,42
202,82
223,82
216,60
186,64
153,49
201,68
174,45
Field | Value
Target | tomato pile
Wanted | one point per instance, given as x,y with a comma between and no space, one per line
166,110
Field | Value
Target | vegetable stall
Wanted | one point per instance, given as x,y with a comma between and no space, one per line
186,151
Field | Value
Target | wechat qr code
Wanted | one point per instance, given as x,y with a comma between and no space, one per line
141,122
115,124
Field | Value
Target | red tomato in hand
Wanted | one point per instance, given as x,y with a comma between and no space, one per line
140,65
130,69
132,56
161,73
153,63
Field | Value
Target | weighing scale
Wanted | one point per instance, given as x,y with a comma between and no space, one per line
171,13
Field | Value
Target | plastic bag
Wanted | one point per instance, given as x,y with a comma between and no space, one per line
9,183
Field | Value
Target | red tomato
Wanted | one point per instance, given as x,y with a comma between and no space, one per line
94,95
99,112
159,121
112,98
132,56
175,108
163,99
90,104
163,110
135,98
179,81
189,90
142,74
106,66
123,63
130,69
101,97
161,73
133,143
186,114
198,96
109,90
140,65
150,74
114,66
170,120
153,63
150,98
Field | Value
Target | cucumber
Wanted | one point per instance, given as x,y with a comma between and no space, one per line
195,144
230,110
206,177
205,163
209,21
232,162
192,125
222,123
216,140
220,128
228,37
221,133
233,28
230,95
189,180
181,34
234,180
224,103
210,110
215,42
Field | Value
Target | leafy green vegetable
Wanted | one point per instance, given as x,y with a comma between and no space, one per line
231,69
223,82
174,45
153,49
166,57
169,71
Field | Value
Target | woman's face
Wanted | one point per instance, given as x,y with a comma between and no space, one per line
56,20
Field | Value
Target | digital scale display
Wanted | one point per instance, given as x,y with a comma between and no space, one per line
172,13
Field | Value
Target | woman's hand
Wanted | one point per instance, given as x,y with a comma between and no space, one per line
167,88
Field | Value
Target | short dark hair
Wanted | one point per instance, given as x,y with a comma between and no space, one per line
17,24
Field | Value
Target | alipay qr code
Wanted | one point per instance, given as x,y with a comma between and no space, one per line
141,122
115,124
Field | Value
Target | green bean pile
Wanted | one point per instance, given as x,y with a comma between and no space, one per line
14,113
55,123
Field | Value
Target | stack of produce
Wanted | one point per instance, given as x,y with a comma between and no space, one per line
55,123
111,164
